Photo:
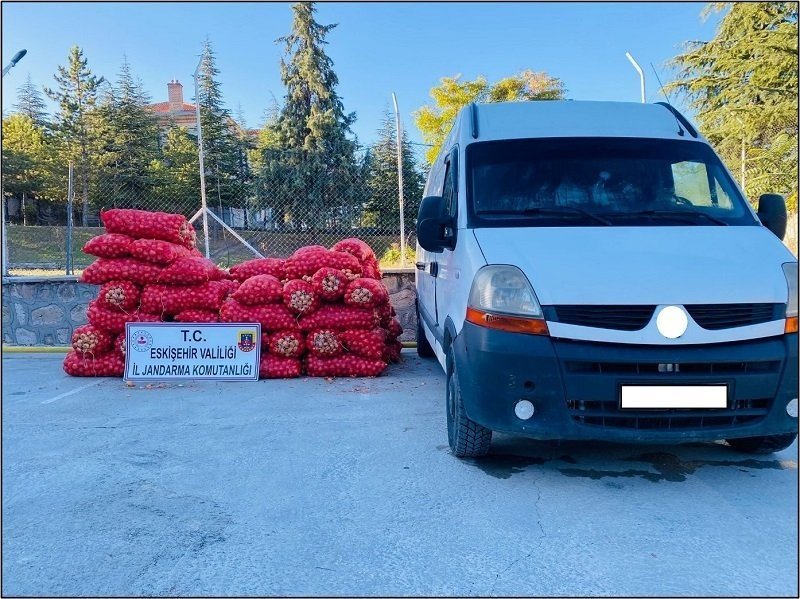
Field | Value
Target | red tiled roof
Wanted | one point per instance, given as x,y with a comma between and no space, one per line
164,107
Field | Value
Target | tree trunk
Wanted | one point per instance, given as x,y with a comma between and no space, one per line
22,209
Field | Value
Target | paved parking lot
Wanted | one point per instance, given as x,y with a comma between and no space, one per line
347,487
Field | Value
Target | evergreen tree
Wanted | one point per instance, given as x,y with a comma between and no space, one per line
221,156
23,148
743,86
30,102
76,97
177,173
130,142
451,95
383,206
315,168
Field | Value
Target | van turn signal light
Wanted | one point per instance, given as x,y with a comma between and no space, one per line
791,325
510,324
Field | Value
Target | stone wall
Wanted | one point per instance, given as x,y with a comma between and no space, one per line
45,311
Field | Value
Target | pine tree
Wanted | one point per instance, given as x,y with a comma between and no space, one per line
315,166
176,173
76,97
383,204
221,156
30,102
130,142
743,87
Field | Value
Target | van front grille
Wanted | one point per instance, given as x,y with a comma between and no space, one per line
634,318
608,414
726,316
621,318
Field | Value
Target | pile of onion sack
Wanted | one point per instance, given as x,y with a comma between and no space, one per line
322,312
148,270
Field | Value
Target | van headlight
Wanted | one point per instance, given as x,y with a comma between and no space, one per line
790,271
502,298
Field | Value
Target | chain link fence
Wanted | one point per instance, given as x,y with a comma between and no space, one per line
292,200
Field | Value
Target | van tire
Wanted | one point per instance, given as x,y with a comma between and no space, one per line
768,444
467,438
424,349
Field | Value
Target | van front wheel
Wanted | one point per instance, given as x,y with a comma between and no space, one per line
467,438
768,444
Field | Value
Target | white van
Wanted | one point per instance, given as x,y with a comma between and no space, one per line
590,270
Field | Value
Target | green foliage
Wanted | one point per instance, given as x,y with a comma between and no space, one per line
382,206
128,134
743,86
392,255
307,162
76,96
452,94
30,102
176,174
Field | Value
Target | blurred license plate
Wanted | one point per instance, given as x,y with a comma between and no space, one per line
674,396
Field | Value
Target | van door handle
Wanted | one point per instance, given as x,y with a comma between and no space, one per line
420,266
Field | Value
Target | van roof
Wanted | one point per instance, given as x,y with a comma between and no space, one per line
567,118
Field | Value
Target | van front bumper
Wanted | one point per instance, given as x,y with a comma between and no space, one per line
575,386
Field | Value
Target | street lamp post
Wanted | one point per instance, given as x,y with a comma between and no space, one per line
639,70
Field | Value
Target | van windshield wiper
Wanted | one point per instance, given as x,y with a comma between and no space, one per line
560,211
684,215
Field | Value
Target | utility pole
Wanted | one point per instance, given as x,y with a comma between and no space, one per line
399,129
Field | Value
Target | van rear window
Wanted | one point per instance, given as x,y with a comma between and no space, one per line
600,182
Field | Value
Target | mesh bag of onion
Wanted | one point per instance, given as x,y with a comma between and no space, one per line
279,367
110,364
109,245
150,225
344,365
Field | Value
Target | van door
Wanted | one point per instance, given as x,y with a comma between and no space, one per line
444,261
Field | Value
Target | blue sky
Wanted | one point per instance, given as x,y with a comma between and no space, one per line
377,48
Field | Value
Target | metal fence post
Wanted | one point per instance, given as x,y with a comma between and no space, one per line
5,235
69,268
399,129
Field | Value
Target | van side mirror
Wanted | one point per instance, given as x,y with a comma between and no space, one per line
772,213
435,229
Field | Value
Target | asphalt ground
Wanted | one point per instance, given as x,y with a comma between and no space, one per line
347,487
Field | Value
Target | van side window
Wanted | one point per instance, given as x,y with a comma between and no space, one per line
447,192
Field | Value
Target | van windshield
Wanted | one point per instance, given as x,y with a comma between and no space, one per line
600,182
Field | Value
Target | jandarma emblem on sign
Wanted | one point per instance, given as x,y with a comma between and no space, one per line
247,340
142,340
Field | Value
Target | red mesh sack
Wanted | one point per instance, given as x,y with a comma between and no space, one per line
278,367
110,245
119,344
289,344
344,365
306,263
164,299
229,285
329,283
324,343
104,270
355,247
385,313
110,320
259,266
158,251
149,225
273,317
366,293
339,318
122,296
111,364
89,339
371,270
391,351
195,315
394,330
300,297
189,271
367,344
260,289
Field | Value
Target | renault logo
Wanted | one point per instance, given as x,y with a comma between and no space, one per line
672,322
